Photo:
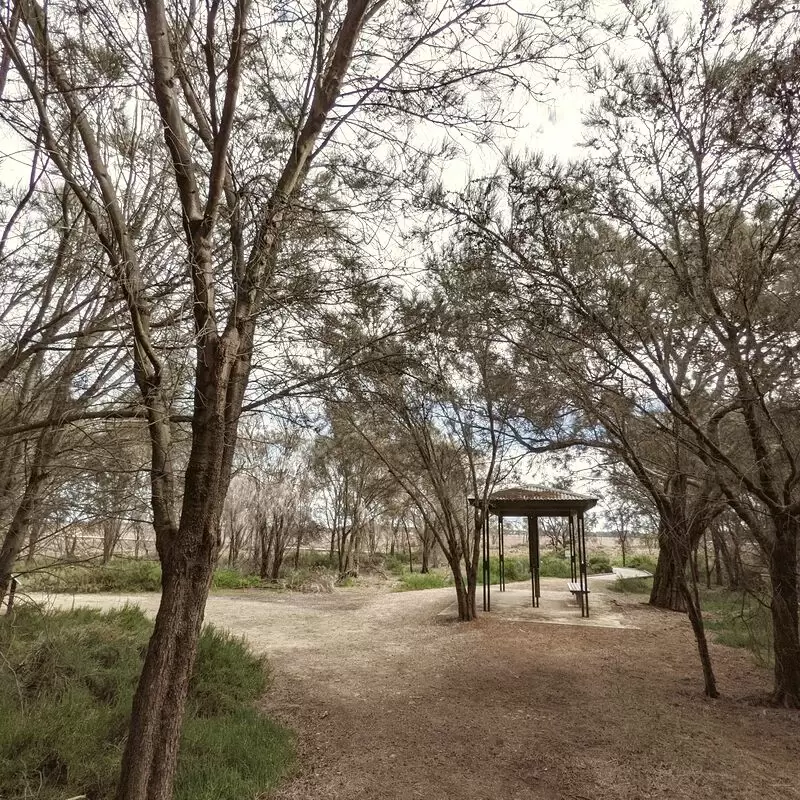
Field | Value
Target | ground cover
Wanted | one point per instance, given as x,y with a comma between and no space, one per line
66,684
390,699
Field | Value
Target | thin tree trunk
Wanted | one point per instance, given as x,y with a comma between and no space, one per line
297,551
427,541
25,515
691,599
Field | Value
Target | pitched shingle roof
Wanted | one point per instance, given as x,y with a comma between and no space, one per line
534,492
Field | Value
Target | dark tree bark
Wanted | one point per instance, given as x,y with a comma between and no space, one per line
784,608
670,571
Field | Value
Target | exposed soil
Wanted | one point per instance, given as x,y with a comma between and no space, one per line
392,700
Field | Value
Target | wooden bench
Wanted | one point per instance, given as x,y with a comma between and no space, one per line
575,588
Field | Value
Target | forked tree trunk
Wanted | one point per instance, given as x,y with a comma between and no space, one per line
188,555
783,574
670,571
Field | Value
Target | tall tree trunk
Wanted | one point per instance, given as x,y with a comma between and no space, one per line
188,554
783,574
150,759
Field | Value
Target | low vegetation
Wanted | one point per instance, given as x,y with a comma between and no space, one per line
119,575
631,585
435,579
739,619
66,684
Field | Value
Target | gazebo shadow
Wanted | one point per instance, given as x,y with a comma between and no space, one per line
557,606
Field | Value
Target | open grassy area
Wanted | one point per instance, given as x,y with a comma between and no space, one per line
66,686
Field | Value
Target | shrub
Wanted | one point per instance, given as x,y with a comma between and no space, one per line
66,688
599,564
228,578
554,566
395,564
119,575
313,558
412,581
641,561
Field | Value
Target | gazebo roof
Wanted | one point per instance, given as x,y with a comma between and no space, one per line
537,501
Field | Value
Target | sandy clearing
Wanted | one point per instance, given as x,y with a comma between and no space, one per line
392,700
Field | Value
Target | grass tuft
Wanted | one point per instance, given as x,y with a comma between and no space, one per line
631,585
66,686
413,581
228,578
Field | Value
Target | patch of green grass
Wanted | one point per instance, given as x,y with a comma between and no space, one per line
229,578
631,585
738,619
120,575
66,686
412,581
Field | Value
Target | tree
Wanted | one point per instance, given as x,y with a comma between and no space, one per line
205,74
668,258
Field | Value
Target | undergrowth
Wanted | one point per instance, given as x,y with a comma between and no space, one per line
739,619
119,575
412,581
66,686
631,585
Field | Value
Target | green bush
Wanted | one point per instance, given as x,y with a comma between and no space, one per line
313,558
395,564
599,564
412,581
228,578
66,686
516,569
640,561
554,566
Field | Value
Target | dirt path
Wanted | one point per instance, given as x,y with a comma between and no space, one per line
391,700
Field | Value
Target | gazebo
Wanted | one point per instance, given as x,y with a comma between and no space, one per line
533,502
